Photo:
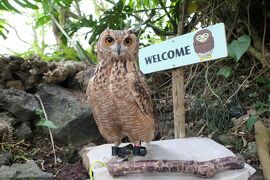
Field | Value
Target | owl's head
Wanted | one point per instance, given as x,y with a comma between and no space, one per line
202,36
117,43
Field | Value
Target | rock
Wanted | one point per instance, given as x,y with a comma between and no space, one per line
5,158
23,131
70,113
7,116
228,140
29,72
17,84
60,71
29,170
81,79
235,111
21,104
5,131
251,149
9,67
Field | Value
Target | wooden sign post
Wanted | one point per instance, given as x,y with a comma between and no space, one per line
178,102
178,85
195,47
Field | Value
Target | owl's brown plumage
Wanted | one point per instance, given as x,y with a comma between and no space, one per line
118,93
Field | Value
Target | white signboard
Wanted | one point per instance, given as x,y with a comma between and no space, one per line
198,46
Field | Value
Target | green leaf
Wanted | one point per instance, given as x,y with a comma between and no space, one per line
8,6
67,2
264,81
2,7
3,35
26,4
267,86
46,123
3,30
46,7
250,122
238,47
225,72
39,112
82,53
42,20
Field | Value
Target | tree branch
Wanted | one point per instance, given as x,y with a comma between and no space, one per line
206,169
77,6
157,30
258,55
167,13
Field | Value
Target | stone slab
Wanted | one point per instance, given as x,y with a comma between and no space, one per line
198,149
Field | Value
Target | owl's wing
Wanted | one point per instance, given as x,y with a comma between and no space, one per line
141,92
88,89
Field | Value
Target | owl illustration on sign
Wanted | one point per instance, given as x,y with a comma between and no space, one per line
204,44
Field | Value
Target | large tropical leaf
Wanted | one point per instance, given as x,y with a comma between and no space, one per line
238,47
26,4
3,30
5,5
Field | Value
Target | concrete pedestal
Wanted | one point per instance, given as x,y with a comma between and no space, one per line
198,149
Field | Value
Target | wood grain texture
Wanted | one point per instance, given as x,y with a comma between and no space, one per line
178,102
178,84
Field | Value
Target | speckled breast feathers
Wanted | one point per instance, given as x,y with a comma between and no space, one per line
118,93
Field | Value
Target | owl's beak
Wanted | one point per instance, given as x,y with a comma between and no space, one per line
118,49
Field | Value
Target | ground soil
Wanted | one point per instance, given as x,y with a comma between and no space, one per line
69,165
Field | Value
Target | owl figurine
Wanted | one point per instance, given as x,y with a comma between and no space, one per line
203,44
118,93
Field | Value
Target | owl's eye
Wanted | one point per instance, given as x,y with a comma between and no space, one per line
199,38
127,41
206,35
109,40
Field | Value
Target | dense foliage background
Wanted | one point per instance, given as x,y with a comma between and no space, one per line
229,81
226,96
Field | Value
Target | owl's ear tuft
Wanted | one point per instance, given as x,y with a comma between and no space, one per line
107,30
130,31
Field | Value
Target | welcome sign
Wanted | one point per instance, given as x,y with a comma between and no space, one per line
198,46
